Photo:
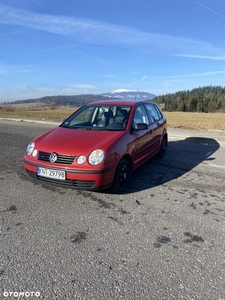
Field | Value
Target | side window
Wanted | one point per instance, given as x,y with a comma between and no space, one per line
153,112
140,116
159,112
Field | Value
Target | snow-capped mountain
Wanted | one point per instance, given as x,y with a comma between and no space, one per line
129,95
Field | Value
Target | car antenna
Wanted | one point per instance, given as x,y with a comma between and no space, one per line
136,94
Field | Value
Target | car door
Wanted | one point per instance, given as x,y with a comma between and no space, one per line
142,137
156,125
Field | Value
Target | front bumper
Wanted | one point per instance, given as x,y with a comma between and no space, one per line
78,179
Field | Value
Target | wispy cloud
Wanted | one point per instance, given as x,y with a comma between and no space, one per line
82,86
140,80
9,34
202,56
143,78
202,74
44,89
11,69
189,75
213,11
103,33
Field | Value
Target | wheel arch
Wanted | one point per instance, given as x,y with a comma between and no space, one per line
165,135
122,174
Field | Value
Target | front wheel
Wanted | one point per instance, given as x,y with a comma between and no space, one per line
121,177
163,147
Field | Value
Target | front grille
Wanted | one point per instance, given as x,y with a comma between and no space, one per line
61,159
77,184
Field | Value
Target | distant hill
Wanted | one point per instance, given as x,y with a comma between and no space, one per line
64,100
78,100
129,95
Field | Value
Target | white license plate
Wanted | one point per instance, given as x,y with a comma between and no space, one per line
56,174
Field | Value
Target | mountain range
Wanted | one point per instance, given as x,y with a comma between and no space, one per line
129,94
78,100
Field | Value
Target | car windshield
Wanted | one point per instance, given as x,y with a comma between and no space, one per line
99,117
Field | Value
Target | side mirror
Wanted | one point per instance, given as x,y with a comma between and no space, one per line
141,126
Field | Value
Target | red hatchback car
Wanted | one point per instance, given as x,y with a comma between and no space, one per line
99,145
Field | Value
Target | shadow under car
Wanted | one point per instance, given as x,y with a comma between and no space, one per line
181,157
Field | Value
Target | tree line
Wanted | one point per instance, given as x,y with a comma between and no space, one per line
202,99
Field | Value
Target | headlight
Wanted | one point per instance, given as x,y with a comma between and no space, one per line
96,157
81,159
30,148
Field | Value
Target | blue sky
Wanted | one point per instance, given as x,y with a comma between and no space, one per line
71,47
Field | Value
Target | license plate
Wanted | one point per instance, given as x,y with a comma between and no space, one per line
56,174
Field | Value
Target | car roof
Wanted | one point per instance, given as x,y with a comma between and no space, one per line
117,102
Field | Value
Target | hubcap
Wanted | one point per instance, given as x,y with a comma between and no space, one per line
164,145
123,175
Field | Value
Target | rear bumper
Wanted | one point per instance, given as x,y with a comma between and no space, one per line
77,179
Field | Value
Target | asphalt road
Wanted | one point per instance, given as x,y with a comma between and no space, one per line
163,239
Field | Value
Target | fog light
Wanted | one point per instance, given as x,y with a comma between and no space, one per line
81,159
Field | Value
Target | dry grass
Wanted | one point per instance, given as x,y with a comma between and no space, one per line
39,114
206,121
215,121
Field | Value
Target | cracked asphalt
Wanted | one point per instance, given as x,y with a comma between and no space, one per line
162,239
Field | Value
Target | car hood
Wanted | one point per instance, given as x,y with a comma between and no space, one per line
75,141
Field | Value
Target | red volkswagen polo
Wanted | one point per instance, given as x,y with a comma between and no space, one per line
99,145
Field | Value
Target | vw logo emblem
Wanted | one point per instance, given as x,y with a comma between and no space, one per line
53,157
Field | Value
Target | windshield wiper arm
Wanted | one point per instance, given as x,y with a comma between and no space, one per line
66,126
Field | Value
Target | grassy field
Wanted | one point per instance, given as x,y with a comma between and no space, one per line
39,114
206,121
215,121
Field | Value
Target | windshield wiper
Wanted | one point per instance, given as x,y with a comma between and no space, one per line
66,126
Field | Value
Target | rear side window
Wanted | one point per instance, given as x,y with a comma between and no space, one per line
159,111
154,112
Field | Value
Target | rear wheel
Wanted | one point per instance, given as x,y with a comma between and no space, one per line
163,147
121,177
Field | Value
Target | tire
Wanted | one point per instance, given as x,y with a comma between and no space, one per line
121,177
163,147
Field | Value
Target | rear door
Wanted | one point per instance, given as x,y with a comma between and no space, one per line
156,124
142,138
